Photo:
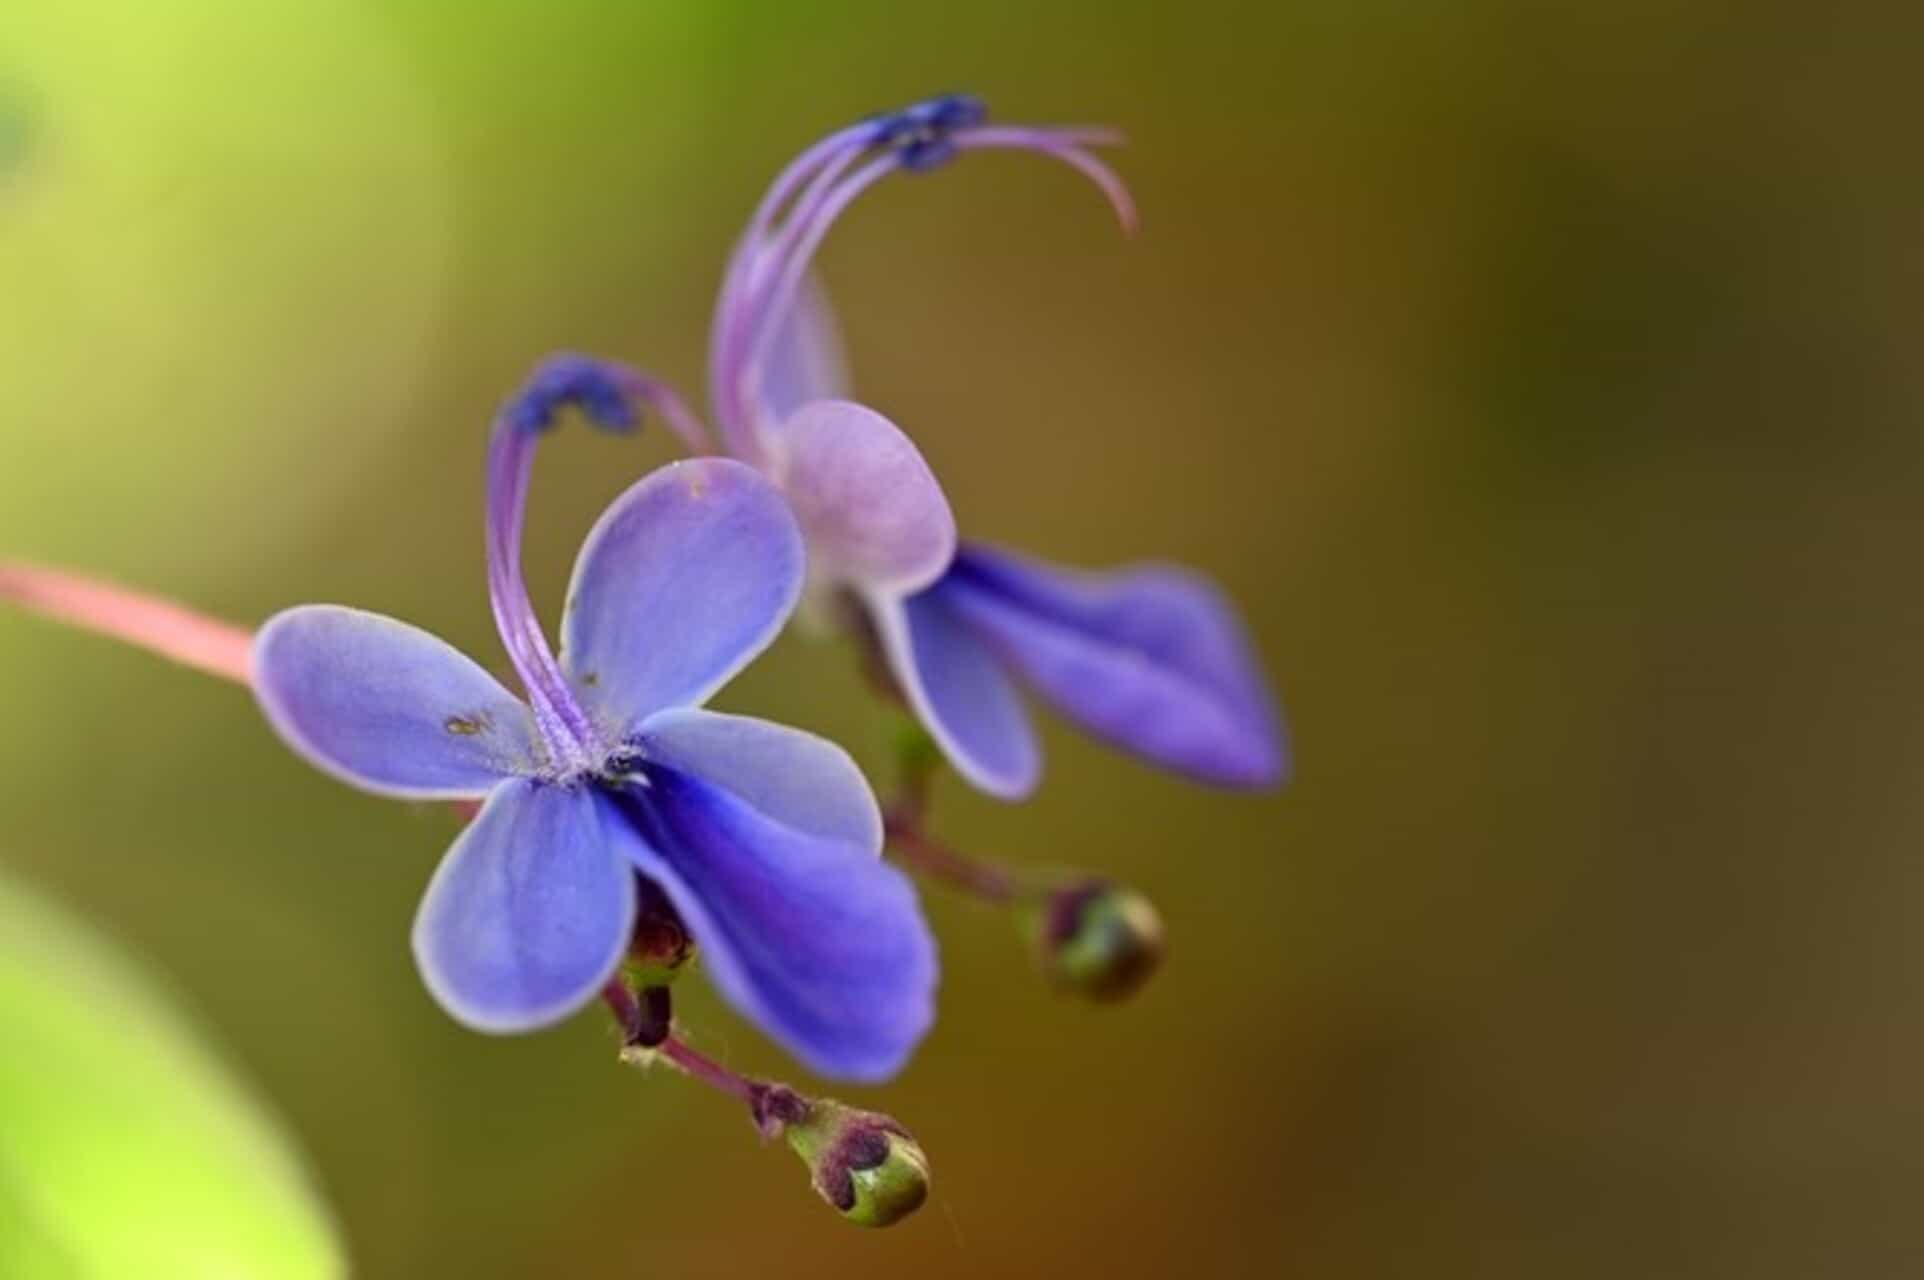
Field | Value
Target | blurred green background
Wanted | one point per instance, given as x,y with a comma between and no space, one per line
1542,379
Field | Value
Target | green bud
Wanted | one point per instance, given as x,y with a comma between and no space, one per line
868,1167
1098,939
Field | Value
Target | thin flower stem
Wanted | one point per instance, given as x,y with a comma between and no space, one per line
147,622
904,822
983,879
708,1071
632,1019
622,1003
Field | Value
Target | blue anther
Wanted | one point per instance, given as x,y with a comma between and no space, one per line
577,380
920,133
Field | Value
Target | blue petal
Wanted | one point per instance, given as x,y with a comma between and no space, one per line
1150,659
795,778
804,360
818,942
530,912
960,692
387,707
684,579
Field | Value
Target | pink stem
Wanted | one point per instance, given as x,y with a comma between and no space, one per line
931,857
707,1070
147,622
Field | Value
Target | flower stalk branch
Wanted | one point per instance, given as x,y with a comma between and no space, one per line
144,621
933,858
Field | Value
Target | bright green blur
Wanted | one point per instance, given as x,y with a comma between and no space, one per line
125,1148
1542,379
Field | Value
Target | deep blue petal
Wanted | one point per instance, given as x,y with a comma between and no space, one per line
796,778
1151,659
530,912
957,687
818,942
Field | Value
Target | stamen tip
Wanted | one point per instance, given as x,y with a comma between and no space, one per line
922,133
599,390
923,156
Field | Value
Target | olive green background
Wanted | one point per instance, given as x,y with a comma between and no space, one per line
1543,380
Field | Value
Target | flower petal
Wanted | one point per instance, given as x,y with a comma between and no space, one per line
530,912
683,580
805,359
387,707
871,509
818,942
1151,659
795,778
960,693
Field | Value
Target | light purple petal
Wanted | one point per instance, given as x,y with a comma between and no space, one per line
530,912
387,707
685,578
960,693
872,511
795,778
1151,659
805,359
818,942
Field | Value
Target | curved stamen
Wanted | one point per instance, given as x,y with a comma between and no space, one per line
759,252
778,295
771,260
826,155
783,275
1069,146
607,395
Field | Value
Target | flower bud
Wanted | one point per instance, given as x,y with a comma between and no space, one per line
864,1164
1098,939
661,946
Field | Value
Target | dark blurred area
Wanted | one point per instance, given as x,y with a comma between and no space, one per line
1542,380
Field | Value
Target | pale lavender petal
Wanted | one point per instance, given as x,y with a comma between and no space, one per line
386,707
818,942
530,912
1151,659
805,359
872,511
796,778
959,691
684,579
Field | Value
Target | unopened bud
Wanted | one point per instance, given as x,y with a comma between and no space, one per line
868,1167
1099,940
661,946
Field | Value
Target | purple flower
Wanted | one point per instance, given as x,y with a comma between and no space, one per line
765,839
1149,658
